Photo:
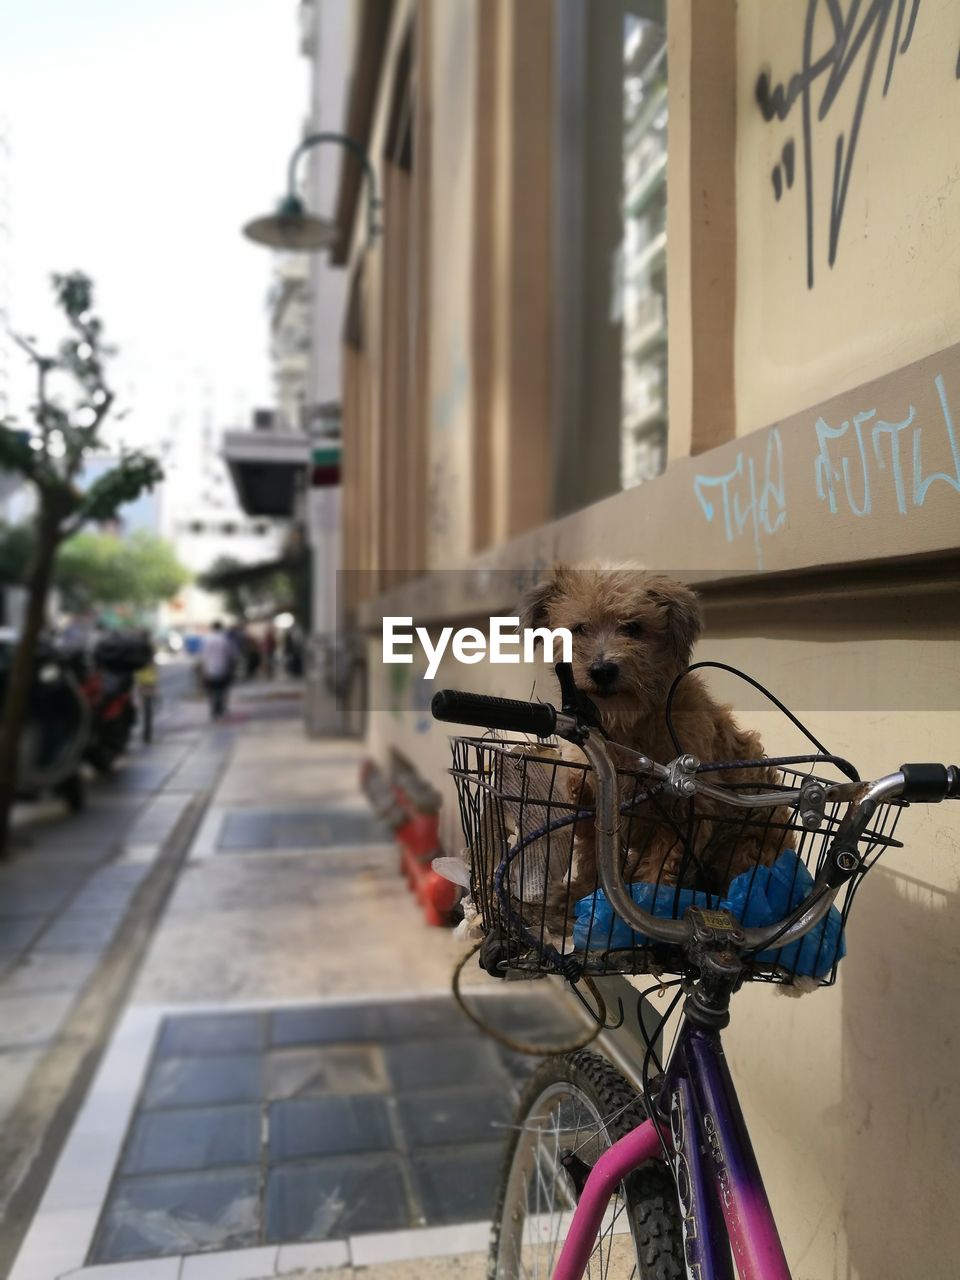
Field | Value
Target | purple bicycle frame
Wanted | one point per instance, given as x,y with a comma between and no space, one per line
726,1214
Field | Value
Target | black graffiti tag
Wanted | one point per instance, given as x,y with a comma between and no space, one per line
858,33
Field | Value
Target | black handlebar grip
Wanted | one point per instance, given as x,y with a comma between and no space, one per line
929,783
494,713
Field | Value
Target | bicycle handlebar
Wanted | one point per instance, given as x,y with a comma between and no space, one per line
481,710
916,783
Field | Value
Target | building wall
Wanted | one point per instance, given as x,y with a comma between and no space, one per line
450,417
841,278
814,498
327,43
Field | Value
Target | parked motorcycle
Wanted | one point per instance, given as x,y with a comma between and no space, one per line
57,728
108,685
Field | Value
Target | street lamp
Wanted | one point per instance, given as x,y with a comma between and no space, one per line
292,226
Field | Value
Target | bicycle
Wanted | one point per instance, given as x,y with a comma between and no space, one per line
600,1180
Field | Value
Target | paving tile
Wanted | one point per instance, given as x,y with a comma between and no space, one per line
32,1019
16,1066
80,931
330,1024
199,1138
199,1033
426,1019
147,1217
117,875
334,1198
454,1115
53,971
430,1064
17,932
216,1078
157,821
338,1069
529,1015
458,1186
518,1066
303,1127
24,899
110,888
246,829
143,1269
236,1264
319,1256
27,876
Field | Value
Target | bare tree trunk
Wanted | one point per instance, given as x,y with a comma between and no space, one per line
22,666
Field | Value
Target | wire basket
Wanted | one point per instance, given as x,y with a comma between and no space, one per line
528,816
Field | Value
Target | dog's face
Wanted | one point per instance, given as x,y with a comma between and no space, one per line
632,634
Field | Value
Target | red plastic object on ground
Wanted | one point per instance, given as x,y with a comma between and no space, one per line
411,809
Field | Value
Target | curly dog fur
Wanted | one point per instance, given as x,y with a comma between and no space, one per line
633,634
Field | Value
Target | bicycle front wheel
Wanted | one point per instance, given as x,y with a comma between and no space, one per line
572,1110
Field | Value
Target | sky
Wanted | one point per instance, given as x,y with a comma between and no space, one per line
142,136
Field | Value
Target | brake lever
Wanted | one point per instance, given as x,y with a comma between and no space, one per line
574,702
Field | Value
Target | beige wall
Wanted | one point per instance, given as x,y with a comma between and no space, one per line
450,519
891,294
850,1092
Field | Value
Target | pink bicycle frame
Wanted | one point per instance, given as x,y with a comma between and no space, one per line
726,1213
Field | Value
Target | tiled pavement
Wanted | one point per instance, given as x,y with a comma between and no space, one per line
66,890
248,1145
312,1124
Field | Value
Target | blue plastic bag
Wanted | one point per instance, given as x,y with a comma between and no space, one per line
756,898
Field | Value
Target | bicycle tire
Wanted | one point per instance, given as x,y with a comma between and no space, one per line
647,1244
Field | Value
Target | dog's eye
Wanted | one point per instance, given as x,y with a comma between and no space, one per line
579,630
632,629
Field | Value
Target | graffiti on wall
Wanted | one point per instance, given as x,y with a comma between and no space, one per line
863,466
872,453
750,498
864,38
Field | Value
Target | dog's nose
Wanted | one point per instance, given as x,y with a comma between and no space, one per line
604,674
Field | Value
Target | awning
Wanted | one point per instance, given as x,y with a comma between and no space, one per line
237,575
265,467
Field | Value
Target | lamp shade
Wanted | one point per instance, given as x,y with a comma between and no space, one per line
291,227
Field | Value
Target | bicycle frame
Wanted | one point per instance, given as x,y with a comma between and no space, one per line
726,1214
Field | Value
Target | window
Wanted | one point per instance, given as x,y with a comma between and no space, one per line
610,248
643,288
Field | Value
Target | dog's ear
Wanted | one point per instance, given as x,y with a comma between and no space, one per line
535,604
684,617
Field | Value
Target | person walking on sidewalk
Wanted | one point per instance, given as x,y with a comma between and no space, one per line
217,662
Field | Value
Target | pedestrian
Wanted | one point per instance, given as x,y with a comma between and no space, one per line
269,652
217,662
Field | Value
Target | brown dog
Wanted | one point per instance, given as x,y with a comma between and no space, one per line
633,632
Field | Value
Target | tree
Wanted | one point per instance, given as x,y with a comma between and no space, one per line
100,569
49,455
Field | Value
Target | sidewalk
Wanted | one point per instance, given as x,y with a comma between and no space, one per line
68,884
74,895
291,1089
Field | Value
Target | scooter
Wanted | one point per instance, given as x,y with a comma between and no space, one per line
57,728
108,686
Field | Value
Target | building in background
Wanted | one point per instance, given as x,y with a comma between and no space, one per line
201,516
290,333
506,384
288,466
6,252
